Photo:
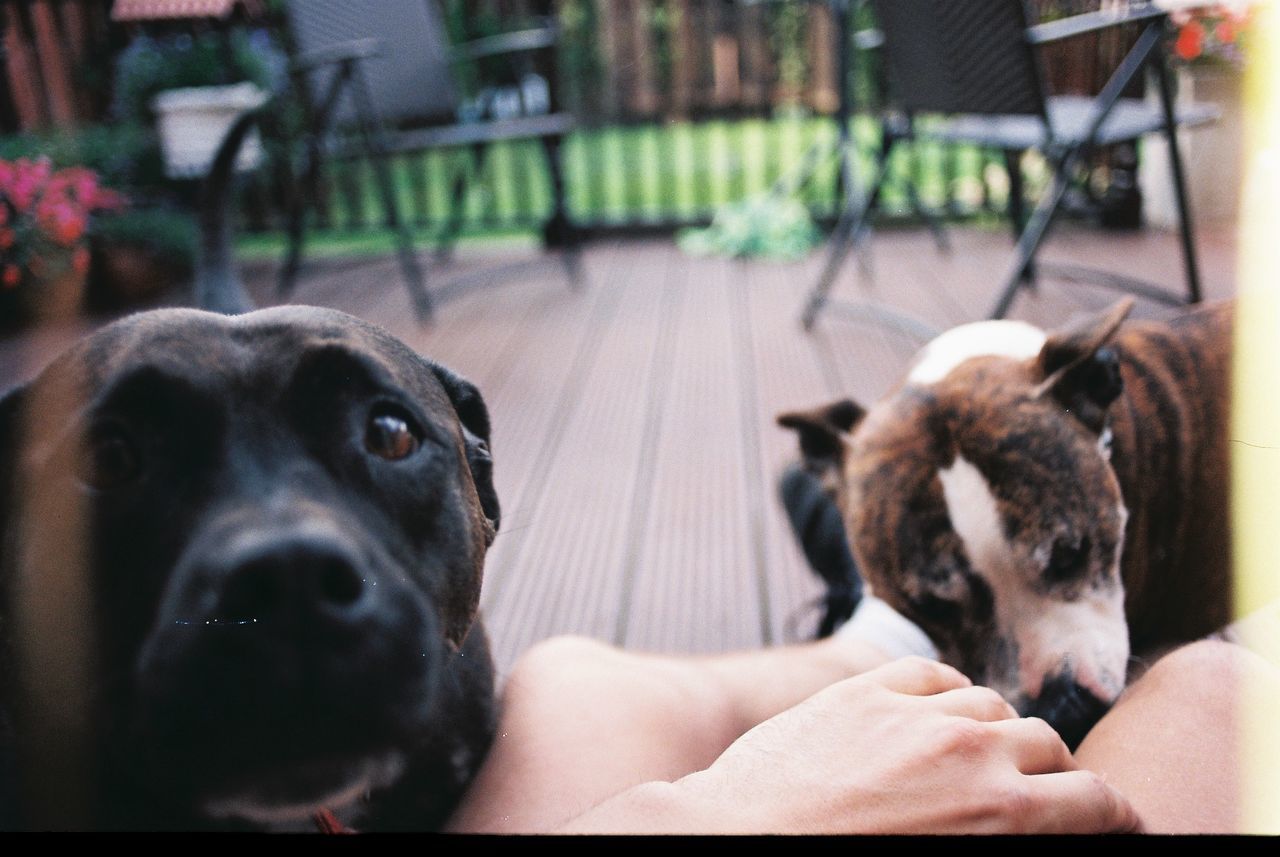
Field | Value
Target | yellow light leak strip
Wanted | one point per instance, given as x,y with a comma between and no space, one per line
1256,411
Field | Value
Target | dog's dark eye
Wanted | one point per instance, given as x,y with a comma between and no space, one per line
110,460
390,434
1067,559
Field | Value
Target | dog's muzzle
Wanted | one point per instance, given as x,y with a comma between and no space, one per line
1068,708
284,659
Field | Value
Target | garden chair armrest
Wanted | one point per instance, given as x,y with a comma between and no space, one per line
521,41
1092,22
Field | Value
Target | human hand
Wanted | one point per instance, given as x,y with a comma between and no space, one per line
910,747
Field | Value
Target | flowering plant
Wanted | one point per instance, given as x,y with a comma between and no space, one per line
1209,32
45,216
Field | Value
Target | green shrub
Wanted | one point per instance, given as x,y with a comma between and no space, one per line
151,65
171,235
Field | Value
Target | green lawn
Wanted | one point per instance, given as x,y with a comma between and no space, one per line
635,175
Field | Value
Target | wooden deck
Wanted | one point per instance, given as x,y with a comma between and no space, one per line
634,437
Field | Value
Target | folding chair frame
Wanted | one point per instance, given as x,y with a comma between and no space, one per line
1064,159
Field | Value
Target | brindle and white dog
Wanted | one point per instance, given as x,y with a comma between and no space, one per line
1048,507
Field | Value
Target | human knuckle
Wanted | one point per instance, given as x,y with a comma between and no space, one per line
991,701
964,736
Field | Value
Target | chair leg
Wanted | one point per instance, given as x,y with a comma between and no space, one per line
843,238
930,218
1185,232
922,211
1031,238
304,192
1017,205
409,267
371,134
300,199
457,199
559,232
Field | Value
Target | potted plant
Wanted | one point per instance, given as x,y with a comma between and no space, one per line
1209,53
45,219
192,87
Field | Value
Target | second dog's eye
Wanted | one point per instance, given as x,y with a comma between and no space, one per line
390,435
1067,558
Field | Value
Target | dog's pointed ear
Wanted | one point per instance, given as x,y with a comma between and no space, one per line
474,418
1078,369
822,429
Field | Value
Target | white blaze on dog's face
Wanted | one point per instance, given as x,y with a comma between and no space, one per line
1085,635
981,505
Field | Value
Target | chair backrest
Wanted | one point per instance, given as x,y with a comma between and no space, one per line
960,56
411,79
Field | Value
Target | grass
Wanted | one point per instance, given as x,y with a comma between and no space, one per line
674,173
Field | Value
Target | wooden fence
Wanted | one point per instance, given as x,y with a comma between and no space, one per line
56,60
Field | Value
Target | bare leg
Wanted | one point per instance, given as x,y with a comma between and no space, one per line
1172,743
583,721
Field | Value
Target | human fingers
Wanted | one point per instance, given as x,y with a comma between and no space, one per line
1035,746
1076,802
917,676
976,702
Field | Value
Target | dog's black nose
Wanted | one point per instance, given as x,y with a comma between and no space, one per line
292,578
1067,707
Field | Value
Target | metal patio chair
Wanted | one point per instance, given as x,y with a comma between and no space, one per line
975,62
379,77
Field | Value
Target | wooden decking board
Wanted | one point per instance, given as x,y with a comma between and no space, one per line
674,286
568,577
530,404
754,475
694,586
789,374
636,452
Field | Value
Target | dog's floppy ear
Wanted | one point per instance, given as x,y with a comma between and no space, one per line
821,428
1079,370
474,417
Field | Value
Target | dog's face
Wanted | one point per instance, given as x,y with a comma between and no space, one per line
282,519
980,503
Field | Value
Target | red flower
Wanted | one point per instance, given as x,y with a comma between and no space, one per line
68,228
1190,41
80,261
1226,31
6,239
11,277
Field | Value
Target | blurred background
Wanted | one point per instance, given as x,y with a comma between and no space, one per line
615,210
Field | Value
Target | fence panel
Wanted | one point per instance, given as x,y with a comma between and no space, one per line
48,76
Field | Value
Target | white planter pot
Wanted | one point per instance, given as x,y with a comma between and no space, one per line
192,123
1212,154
